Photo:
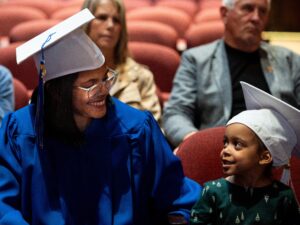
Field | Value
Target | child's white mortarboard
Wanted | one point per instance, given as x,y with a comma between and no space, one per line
61,50
275,122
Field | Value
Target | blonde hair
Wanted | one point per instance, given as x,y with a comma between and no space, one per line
121,49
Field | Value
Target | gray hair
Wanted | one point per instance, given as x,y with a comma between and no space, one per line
230,3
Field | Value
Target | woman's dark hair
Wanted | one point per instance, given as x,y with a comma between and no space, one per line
58,115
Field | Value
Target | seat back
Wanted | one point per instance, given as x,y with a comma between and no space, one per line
189,7
29,29
48,7
204,33
13,15
161,60
175,18
200,154
66,12
295,168
26,71
153,32
133,4
206,4
207,15
70,3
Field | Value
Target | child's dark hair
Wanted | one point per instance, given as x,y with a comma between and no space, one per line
269,167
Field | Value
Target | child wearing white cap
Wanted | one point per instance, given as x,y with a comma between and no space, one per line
264,135
76,155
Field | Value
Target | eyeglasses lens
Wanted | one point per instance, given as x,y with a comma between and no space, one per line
102,86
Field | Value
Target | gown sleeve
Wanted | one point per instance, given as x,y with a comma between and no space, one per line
171,192
10,175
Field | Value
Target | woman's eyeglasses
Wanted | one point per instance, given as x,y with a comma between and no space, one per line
97,89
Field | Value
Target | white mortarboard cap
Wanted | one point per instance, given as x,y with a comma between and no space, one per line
274,121
66,48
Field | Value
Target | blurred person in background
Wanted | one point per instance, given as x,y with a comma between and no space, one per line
135,83
206,91
7,100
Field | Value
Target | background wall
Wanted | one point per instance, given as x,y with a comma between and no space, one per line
284,16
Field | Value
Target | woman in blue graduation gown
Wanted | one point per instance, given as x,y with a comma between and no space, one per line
124,173
99,161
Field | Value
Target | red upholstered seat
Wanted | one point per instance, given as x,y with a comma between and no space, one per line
161,60
205,4
133,4
26,72
295,168
200,154
48,7
70,3
207,15
189,7
29,29
66,12
13,15
175,18
203,33
153,32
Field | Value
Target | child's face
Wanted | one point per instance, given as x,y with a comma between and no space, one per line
241,152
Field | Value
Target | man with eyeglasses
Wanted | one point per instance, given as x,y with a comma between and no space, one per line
206,89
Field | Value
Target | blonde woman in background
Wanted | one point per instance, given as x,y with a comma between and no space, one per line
135,83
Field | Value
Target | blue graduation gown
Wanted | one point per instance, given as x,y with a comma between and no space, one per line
124,173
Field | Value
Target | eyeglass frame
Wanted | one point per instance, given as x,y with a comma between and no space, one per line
102,83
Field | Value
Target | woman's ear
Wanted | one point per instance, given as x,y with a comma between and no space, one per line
265,158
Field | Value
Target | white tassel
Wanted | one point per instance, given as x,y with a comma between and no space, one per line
286,176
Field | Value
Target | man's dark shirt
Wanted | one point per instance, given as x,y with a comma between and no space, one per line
244,66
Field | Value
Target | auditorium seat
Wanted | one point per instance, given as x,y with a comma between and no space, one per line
29,29
153,32
133,4
161,60
189,7
207,15
66,12
13,15
203,33
175,18
26,72
48,7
